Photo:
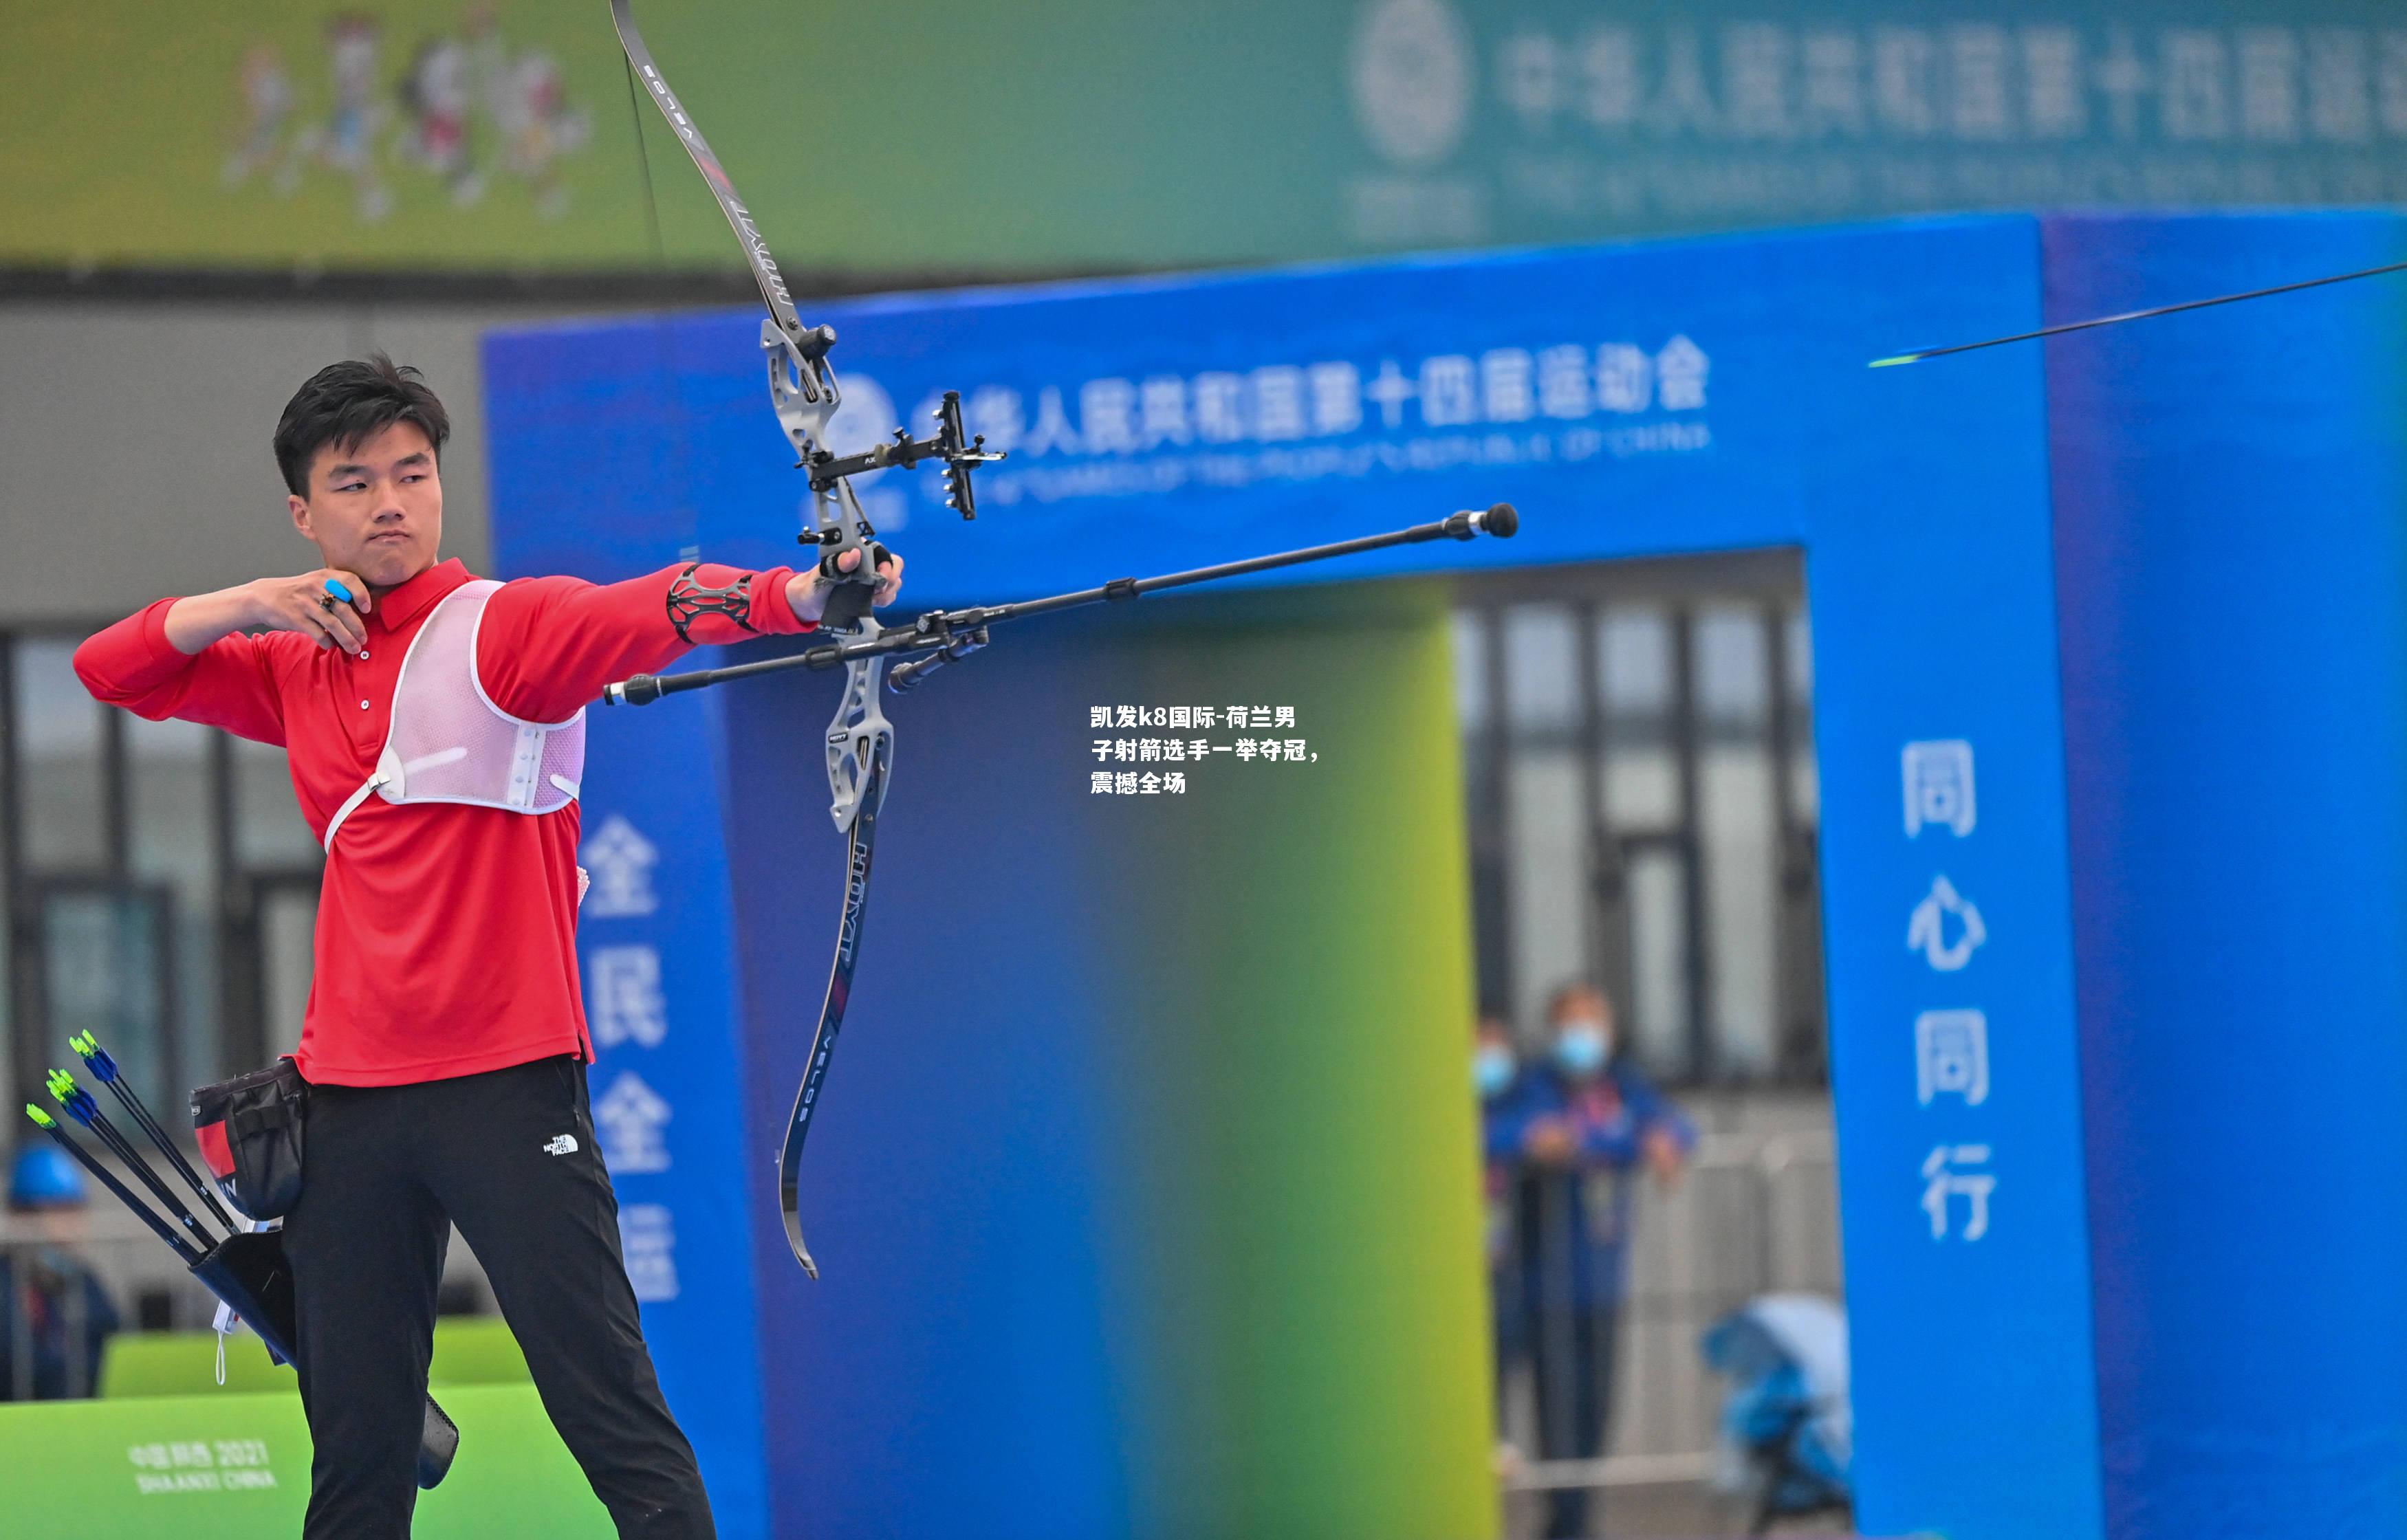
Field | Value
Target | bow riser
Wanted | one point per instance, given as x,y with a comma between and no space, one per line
802,390
860,743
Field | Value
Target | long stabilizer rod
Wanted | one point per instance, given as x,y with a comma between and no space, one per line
950,635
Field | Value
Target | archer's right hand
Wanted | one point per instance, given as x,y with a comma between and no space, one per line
303,604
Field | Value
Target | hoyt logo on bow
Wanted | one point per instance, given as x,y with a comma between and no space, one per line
804,393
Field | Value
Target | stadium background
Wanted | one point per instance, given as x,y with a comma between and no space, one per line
1193,1244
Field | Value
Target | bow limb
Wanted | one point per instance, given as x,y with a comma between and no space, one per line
803,386
774,292
865,743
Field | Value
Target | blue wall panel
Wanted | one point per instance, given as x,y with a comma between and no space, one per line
2230,489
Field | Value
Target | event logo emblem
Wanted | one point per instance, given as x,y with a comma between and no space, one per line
1412,79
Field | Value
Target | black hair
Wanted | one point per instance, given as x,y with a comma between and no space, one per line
344,404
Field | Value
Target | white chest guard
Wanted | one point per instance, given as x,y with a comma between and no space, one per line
448,742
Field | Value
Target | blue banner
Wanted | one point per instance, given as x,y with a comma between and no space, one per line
1699,397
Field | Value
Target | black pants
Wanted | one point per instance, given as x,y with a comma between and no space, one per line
388,1170
1575,1363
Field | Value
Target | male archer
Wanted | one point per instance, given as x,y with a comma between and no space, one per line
434,725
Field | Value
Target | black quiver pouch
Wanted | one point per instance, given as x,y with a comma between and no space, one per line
249,1273
249,1130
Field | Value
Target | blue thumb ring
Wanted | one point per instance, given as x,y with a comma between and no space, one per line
335,586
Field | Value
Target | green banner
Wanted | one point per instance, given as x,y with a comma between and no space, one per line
237,1466
920,137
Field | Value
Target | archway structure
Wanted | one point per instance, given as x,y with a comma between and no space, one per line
1123,1237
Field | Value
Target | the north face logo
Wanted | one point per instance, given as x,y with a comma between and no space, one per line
563,1144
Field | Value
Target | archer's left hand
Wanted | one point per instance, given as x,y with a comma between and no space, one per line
806,592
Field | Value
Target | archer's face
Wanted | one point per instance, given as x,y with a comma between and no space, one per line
375,508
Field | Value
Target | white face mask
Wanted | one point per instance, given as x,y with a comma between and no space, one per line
1491,1069
1582,1045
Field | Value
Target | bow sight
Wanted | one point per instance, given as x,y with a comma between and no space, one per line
803,391
960,453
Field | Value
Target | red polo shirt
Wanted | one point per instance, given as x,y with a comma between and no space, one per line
447,934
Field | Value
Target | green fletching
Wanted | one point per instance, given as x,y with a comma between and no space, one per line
39,1116
1897,358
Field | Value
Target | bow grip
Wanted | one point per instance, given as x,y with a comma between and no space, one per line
847,601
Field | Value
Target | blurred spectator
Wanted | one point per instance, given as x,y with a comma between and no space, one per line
1787,1424
1581,1124
54,1315
1495,1068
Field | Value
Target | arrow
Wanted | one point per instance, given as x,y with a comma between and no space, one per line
49,1125
98,1060
80,1107
1896,358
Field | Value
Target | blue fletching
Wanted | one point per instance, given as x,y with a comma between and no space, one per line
75,1098
96,1057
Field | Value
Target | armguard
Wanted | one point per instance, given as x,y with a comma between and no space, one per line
688,601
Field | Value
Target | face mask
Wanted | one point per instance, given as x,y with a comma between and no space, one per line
1491,1069
1581,1048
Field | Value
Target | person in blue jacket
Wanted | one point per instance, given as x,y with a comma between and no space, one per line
54,1315
1580,1126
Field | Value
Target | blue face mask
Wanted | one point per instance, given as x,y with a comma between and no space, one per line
1491,1069
1582,1049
